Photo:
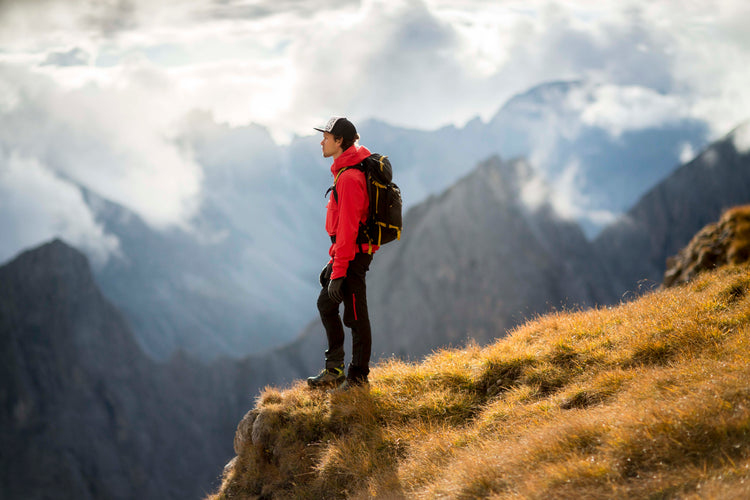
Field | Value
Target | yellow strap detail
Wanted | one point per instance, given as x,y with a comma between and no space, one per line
381,162
335,179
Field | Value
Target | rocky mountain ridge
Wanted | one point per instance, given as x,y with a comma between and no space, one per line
479,259
637,245
85,413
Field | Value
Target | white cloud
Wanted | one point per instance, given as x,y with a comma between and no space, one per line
37,206
73,57
687,152
567,197
535,192
620,109
416,63
117,140
109,123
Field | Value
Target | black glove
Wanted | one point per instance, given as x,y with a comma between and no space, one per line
325,275
334,290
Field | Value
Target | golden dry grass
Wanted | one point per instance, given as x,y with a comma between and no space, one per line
650,399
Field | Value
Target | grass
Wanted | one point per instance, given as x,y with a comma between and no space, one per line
649,399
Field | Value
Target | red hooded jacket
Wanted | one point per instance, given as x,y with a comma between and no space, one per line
344,216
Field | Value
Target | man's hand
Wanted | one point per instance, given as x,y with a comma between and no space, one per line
334,290
325,274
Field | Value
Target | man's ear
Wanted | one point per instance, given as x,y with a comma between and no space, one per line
338,140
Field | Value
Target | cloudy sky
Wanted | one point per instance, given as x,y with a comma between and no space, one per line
88,83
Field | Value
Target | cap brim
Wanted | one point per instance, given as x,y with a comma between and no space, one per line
319,129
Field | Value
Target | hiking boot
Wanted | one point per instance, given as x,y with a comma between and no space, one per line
328,377
350,384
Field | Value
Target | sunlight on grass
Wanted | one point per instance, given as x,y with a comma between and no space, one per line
647,399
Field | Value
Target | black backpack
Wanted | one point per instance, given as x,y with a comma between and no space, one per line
384,221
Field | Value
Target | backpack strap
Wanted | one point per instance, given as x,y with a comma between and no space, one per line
333,188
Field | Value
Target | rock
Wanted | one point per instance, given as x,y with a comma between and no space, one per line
230,466
717,244
262,433
243,436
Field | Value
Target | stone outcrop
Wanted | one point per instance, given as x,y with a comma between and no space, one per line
722,243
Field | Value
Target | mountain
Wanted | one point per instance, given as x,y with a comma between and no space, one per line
187,291
602,146
574,132
638,244
646,399
86,414
84,411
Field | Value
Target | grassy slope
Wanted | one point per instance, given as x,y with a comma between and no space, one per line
650,399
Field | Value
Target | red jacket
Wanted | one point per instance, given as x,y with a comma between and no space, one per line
343,217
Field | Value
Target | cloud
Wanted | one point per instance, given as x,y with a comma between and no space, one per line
535,192
570,202
57,18
110,17
620,109
687,152
421,64
396,64
36,205
73,57
243,9
116,140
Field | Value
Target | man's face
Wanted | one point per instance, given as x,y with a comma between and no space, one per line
331,147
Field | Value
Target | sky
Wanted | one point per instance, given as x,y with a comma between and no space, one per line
95,91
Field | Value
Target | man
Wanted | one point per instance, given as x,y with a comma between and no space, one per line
343,278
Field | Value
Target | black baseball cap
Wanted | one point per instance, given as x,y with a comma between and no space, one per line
339,127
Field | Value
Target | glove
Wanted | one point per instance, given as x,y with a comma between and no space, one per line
325,275
334,290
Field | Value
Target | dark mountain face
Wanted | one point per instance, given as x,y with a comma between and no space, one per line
666,218
84,413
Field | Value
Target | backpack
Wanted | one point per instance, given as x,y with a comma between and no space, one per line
384,220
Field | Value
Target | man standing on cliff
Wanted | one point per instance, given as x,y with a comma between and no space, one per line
343,278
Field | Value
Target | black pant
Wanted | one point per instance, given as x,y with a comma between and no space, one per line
355,317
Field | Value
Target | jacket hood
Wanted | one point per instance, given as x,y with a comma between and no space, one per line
353,155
